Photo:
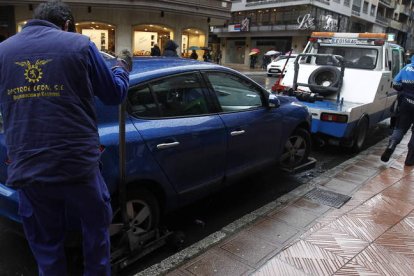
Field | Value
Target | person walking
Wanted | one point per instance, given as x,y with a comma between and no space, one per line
155,51
49,77
404,84
170,49
194,55
253,59
218,57
207,56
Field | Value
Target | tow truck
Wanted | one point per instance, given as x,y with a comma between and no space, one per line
345,80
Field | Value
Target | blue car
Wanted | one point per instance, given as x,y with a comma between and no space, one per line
191,128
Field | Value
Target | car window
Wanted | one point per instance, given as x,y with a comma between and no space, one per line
395,62
234,93
362,58
141,103
179,95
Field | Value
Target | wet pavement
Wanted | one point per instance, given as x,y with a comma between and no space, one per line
371,234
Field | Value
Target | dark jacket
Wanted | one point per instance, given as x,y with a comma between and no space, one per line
404,80
48,80
170,49
155,51
194,55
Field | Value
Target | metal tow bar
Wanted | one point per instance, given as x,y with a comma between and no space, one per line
134,247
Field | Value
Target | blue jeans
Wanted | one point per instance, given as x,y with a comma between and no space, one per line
44,210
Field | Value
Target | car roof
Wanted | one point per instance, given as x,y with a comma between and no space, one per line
147,68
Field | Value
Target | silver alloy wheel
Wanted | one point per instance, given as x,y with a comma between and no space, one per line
140,216
294,151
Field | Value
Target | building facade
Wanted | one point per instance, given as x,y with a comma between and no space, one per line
135,25
285,25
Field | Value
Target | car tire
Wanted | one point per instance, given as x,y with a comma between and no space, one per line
296,149
325,76
142,203
269,75
360,135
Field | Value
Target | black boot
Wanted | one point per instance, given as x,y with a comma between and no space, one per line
385,157
409,160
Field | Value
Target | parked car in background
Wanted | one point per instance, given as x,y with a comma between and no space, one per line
191,128
276,66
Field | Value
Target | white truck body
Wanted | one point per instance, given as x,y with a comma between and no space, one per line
365,94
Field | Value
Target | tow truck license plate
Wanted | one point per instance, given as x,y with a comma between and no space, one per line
342,40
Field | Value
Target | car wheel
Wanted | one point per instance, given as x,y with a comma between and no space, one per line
360,135
269,75
325,76
297,148
142,210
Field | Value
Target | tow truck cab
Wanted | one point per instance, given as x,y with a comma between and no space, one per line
345,79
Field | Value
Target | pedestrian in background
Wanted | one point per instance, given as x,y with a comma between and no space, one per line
404,84
52,138
253,60
193,55
170,49
218,57
207,56
155,50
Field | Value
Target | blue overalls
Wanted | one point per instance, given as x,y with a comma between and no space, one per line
48,81
404,83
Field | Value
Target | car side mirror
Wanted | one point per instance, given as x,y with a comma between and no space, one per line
274,101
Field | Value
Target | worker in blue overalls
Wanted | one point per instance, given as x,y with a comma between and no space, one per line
404,84
49,77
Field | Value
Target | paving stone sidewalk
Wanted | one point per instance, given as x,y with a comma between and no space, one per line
371,234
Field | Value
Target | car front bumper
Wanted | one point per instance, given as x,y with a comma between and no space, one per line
9,203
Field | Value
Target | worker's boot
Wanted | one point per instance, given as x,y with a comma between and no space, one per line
409,160
385,157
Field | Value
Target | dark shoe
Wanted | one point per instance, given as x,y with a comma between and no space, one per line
409,160
385,157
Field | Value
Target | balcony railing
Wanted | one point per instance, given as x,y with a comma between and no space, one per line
382,20
386,2
356,10
267,28
266,2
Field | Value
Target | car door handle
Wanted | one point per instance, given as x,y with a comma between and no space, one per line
237,132
167,145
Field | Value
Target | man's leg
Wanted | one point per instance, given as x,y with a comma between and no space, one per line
409,160
91,201
43,223
402,125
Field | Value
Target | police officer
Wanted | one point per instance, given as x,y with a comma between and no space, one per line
404,84
49,77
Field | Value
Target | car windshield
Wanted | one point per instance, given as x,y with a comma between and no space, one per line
362,58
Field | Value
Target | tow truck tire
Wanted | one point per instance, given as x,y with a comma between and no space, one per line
296,150
324,76
360,135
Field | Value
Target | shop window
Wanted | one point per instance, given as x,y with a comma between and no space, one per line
192,39
146,36
102,34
